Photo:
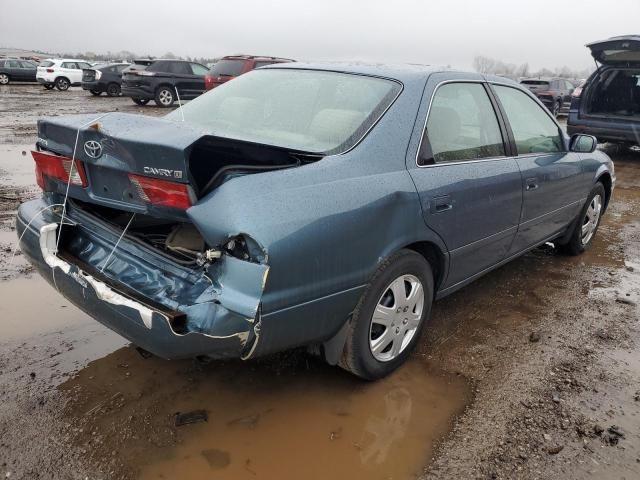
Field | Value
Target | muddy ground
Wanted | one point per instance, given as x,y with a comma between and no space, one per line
531,372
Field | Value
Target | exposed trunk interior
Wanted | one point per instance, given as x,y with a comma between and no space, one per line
615,91
214,160
179,240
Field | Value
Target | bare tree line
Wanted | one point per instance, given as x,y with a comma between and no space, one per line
483,64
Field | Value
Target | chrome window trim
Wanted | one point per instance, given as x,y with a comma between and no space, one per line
424,128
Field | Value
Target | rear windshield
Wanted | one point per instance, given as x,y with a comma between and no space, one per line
46,63
230,68
542,83
306,110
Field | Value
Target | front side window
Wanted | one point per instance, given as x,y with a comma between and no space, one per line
308,110
199,69
27,65
462,125
69,65
533,129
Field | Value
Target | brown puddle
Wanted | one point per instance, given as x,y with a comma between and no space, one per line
265,419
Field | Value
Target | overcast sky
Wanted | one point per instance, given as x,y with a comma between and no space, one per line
547,33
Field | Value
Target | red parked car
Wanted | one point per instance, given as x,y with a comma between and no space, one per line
234,65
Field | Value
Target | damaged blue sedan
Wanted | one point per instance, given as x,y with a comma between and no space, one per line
324,206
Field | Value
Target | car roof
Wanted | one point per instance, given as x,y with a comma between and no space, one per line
256,57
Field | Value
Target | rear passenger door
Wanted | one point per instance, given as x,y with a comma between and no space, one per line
469,186
552,190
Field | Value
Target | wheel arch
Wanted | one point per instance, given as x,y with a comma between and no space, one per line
607,183
433,254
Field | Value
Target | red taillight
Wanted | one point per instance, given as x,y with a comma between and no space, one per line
58,167
161,192
208,82
50,70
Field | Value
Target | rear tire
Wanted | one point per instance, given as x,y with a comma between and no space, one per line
62,84
388,320
556,109
95,92
4,79
140,101
113,90
587,224
165,96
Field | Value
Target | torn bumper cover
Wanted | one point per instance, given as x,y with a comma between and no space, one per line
155,305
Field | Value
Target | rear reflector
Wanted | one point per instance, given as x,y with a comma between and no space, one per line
161,192
58,168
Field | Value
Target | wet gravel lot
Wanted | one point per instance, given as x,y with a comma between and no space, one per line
532,371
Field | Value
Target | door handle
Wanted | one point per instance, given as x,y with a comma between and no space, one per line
441,204
531,184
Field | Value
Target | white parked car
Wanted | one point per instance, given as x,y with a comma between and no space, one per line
61,73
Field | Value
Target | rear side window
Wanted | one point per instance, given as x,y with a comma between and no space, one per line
12,64
46,63
27,65
228,68
71,65
160,66
179,68
462,125
533,129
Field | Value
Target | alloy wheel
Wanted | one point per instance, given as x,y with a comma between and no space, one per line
396,318
591,218
4,78
166,97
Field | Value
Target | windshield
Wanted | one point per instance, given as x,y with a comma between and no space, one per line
307,110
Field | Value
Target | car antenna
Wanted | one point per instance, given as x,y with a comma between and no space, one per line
179,103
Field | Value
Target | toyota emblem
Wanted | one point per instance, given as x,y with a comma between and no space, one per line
93,149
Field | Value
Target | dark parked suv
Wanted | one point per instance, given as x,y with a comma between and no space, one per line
608,104
104,78
164,81
234,65
16,70
554,93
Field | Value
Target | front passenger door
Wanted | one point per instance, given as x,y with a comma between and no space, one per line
469,186
551,176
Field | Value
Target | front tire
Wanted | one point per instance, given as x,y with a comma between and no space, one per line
389,317
587,224
4,79
62,84
165,97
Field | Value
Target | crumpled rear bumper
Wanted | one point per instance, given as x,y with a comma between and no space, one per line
205,327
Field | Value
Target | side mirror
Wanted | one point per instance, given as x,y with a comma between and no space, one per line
582,143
